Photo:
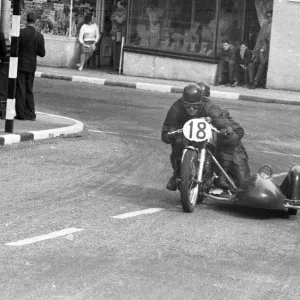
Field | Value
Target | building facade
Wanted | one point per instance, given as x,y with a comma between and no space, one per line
179,39
171,39
60,21
284,60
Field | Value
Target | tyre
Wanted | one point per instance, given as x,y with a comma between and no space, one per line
292,211
188,188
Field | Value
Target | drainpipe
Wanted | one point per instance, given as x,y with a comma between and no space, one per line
5,17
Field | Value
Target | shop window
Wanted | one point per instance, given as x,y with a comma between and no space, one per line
58,17
231,21
185,26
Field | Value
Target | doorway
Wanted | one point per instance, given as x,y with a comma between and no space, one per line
252,26
102,59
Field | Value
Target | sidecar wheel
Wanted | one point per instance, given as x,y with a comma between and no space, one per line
189,190
292,211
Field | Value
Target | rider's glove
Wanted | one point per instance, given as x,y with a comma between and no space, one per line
169,138
227,131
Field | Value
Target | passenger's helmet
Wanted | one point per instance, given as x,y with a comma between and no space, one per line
192,93
205,88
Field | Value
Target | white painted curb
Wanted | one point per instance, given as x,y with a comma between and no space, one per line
58,132
153,87
38,74
48,133
224,95
94,80
11,139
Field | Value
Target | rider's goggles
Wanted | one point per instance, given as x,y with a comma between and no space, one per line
196,105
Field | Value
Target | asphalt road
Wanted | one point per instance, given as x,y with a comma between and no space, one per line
120,166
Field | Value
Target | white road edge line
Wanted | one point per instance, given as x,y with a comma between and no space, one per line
48,236
137,213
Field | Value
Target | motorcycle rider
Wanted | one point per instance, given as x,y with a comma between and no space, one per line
231,153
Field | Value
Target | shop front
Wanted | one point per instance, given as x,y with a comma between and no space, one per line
179,39
60,22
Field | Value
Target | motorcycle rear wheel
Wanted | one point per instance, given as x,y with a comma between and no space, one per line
189,189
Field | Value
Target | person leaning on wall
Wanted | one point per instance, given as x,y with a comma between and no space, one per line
88,38
119,19
261,51
31,45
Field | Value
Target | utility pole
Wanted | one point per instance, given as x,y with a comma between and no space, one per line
13,68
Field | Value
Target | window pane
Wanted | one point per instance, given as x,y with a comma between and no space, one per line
54,18
231,21
184,26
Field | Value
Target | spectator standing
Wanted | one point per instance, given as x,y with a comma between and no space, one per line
3,49
261,49
244,65
119,19
31,45
226,63
3,71
88,38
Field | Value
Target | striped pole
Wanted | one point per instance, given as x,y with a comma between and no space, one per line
13,68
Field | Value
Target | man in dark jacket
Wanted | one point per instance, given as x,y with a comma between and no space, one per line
195,103
261,50
31,45
3,49
244,64
226,63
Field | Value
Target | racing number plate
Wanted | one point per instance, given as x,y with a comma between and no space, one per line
197,130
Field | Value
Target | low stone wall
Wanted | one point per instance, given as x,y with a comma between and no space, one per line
61,51
137,64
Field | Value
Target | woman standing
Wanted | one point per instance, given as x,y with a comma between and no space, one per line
88,38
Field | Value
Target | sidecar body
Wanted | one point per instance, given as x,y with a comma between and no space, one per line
261,191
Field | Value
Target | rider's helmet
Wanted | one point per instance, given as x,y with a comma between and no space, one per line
205,88
192,93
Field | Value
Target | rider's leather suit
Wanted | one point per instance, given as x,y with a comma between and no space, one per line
231,152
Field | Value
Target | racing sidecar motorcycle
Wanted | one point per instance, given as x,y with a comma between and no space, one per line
199,169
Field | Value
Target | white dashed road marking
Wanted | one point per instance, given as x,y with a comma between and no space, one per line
44,237
138,213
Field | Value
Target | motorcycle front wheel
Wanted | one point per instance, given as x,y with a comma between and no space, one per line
189,189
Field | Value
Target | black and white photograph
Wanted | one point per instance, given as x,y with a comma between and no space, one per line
150,150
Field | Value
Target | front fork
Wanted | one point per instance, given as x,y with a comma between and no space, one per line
201,161
201,154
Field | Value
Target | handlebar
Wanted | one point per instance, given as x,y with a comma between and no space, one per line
176,131
181,130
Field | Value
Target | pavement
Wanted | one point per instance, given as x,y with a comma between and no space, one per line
49,126
46,126
106,77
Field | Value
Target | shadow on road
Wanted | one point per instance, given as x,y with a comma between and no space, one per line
247,212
